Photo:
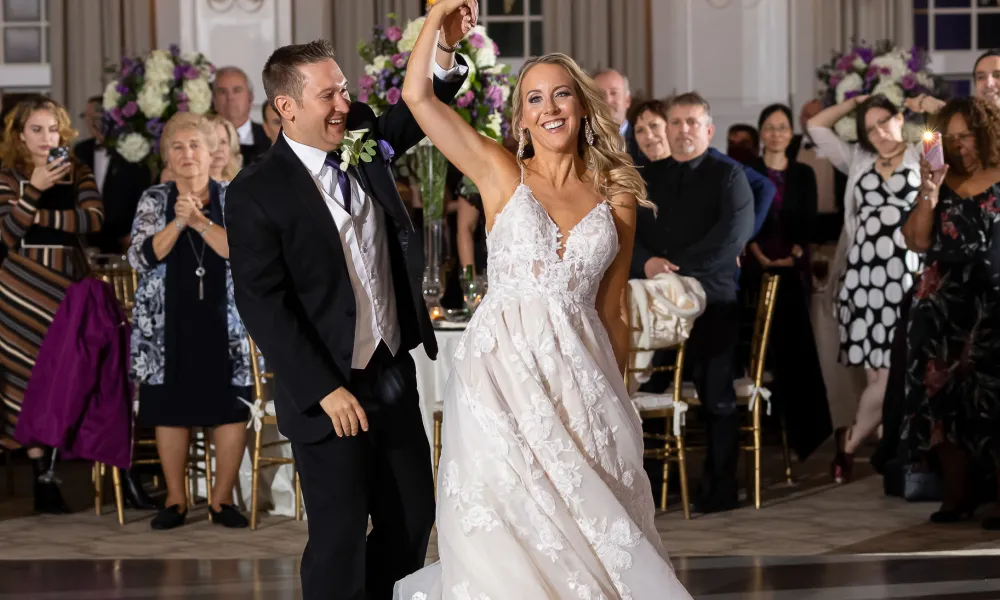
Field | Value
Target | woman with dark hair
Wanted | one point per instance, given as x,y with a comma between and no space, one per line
952,397
45,206
873,265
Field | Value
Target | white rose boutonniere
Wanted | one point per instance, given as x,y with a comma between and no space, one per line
355,148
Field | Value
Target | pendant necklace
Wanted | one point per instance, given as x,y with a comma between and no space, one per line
200,271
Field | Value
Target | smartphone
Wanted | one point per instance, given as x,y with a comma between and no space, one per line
933,151
59,154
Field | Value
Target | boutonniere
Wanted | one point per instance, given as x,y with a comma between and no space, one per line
355,148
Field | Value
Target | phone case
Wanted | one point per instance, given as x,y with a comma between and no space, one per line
934,152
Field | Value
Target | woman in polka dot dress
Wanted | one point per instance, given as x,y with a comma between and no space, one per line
873,265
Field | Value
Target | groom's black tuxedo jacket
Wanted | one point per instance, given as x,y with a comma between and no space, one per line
292,286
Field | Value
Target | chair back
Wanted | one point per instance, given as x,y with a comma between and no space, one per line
262,380
634,329
116,271
766,302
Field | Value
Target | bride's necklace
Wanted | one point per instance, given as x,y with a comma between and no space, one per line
886,161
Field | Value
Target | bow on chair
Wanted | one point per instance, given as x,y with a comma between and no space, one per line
257,413
680,411
763,392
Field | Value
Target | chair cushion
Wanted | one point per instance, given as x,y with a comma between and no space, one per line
650,401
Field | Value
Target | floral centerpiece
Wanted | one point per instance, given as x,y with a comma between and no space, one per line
880,69
481,102
147,91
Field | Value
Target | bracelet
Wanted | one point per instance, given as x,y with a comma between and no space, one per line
449,50
206,228
178,225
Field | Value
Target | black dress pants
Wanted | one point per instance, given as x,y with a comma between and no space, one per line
384,473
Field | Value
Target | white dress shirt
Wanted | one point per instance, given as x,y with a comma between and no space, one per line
365,249
101,163
245,133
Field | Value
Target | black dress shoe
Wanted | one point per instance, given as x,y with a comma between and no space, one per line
48,497
135,496
168,518
228,516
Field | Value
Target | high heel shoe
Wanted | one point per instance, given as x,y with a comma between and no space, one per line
842,468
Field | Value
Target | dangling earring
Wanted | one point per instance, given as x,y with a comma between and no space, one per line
522,142
588,132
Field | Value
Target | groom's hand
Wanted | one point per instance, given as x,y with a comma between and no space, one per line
460,16
345,412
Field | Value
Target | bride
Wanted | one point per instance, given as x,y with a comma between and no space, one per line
541,490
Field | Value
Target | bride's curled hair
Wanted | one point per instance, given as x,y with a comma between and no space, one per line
614,172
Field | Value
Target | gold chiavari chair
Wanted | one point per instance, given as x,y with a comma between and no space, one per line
262,382
438,422
116,272
669,406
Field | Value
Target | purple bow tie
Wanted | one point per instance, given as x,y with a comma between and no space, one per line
344,183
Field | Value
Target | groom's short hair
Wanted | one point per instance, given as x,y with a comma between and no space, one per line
281,74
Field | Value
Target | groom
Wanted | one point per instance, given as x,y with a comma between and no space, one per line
327,271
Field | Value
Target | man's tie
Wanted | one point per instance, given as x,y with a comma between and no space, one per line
345,184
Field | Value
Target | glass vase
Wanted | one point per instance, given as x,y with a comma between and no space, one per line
431,169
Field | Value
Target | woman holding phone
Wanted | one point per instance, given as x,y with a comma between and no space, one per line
953,370
48,200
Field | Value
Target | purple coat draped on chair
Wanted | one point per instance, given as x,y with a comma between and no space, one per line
79,397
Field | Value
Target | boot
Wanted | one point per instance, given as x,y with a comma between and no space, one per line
48,497
135,496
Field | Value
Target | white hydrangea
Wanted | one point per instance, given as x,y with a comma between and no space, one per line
199,95
382,62
159,66
111,96
859,64
493,124
152,98
896,65
485,56
134,147
847,129
410,35
924,79
850,83
912,132
890,90
371,70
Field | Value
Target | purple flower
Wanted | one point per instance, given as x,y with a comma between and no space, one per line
182,107
156,146
396,80
494,95
464,100
116,116
393,95
476,40
130,109
872,74
387,151
154,127
175,50
866,54
366,82
846,62
835,80
363,96
180,96
909,82
122,89
851,94
399,61
394,34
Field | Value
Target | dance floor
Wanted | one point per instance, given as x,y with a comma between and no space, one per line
811,541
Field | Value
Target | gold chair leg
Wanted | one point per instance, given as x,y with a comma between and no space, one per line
682,468
665,487
187,487
208,465
438,419
788,453
95,476
116,477
756,456
253,481
298,495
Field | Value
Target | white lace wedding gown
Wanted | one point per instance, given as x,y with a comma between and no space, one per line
541,490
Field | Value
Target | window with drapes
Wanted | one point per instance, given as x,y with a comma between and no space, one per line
958,31
516,27
24,45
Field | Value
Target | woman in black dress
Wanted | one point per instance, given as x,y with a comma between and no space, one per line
190,352
953,367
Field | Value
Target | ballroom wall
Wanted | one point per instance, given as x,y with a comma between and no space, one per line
741,54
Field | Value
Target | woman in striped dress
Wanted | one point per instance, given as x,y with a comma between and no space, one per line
44,209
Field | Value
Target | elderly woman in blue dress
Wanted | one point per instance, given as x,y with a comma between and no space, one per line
190,353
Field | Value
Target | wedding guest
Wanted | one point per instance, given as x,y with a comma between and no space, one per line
226,160
271,122
232,97
873,267
782,248
119,181
830,183
190,353
986,77
743,143
44,209
618,95
471,239
952,401
704,220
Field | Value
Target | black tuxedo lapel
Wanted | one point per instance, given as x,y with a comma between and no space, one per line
378,183
303,186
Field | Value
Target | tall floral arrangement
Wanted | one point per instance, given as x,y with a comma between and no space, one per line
884,69
145,92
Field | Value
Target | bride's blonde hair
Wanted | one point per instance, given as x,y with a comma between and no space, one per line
614,172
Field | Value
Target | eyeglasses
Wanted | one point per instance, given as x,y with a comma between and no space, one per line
964,137
776,129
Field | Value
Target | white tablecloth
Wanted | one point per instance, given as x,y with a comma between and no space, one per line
277,485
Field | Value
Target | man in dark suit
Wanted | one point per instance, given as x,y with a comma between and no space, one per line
618,95
120,182
327,277
232,98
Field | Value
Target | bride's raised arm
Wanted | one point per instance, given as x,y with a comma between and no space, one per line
475,155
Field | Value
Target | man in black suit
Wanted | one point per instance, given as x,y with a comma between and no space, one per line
120,183
618,95
327,275
232,98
